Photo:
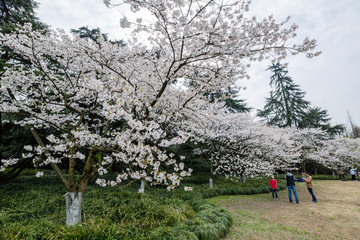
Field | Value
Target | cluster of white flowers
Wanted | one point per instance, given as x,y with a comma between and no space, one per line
101,182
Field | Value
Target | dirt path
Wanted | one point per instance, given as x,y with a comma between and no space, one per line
335,216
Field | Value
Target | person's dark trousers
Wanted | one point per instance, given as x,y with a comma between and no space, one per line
341,176
274,192
293,188
312,194
353,177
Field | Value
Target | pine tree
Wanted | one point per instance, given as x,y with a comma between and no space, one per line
231,100
316,117
235,104
286,105
94,35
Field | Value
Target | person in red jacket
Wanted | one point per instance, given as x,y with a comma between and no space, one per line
273,185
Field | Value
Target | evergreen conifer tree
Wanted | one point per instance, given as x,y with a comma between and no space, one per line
94,35
316,117
231,100
286,105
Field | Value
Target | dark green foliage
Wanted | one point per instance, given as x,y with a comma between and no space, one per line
94,35
201,178
286,105
316,117
329,177
252,186
237,105
230,98
15,12
316,168
197,163
211,221
234,104
15,137
193,161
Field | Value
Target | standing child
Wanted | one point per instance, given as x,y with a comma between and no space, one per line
273,185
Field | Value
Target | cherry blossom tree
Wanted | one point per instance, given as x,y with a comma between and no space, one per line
254,150
107,103
344,152
237,146
91,109
309,143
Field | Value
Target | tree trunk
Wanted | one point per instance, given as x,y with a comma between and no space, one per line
303,165
142,187
211,180
243,179
211,183
73,208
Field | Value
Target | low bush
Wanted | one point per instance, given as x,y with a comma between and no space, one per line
329,177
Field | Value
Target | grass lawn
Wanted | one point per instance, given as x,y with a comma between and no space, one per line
335,216
34,208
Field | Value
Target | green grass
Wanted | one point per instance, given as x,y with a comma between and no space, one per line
34,208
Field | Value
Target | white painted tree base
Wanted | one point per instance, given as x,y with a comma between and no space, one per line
73,208
243,179
211,184
142,187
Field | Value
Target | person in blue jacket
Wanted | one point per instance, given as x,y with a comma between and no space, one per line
290,181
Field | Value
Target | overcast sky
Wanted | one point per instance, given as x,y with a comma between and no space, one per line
331,81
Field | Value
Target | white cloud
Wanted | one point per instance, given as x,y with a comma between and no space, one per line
70,14
330,80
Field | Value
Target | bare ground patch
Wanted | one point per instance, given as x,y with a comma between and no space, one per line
335,216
